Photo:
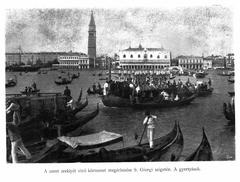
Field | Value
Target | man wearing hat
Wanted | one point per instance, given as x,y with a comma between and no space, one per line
150,122
14,133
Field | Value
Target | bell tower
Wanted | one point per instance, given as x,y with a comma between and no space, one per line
92,42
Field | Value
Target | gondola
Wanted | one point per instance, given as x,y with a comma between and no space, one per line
11,82
72,127
169,145
102,78
202,93
44,72
48,150
172,77
173,150
199,75
42,131
231,80
63,81
32,92
80,106
229,73
74,76
97,91
203,152
229,112
115,101
231,93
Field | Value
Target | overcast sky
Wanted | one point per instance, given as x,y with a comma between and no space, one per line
183,31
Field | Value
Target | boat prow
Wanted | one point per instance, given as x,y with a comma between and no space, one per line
203,152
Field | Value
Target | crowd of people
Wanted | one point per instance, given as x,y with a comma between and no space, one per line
146,87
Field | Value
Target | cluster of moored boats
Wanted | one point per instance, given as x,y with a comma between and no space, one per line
43,125
47,140
167,148
57,137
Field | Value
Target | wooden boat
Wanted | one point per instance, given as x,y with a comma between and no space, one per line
200,74
201,92
229,73
46,153
11,82
231,93
229,112
44,72
231,80
203,152
69,129
95,140
80,106
102,78
142,152
63,81
173,150
32,92
80,96
98,91
74,76
43,131
115,101
172,77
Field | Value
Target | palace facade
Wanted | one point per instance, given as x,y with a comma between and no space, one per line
141,58
73,60
190,62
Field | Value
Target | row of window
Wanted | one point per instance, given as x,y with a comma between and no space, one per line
190,60
145,56
70,57
75,63
192,66
75,67
139,67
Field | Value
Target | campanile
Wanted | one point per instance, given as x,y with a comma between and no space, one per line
92,42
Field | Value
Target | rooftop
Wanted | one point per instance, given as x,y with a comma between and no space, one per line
140,48
189,57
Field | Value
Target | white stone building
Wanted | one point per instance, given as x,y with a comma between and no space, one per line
73,60
190,62
144,58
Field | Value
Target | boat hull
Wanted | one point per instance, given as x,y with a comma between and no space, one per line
114,101
137,153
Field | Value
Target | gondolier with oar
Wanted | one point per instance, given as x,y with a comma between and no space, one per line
149,122
14,133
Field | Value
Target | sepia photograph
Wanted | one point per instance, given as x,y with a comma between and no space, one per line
107,85
119,85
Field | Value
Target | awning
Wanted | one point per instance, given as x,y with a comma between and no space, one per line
95,140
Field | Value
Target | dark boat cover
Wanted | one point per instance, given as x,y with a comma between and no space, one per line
95,140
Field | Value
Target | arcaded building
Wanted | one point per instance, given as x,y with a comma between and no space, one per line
141,58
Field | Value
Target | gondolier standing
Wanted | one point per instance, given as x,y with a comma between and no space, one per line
149,122
13,132
67,93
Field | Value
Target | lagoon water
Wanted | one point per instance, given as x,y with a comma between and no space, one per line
204,112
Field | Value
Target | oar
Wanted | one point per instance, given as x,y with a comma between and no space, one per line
142,134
